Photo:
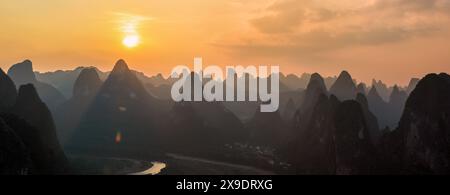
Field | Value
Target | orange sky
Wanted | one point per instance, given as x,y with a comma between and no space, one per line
392,40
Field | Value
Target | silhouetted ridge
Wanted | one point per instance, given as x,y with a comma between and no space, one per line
227,126
388,113
120,67
316,87
64,80
371,119
397,103
382,89
355,154
361,98
15,158
121,106
398,97
159,76
202,128
22,73
40,136
424,129
379,107
70,113
336,139
266,129
361,88
317,82
87,83
289,110
8,92
30,107
344,88
123,81
293,82
345,76
28,95
187,128
314,151
412,85
373,93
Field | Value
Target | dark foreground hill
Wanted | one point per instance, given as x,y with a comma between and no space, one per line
29,143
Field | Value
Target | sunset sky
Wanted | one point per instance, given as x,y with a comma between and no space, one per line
392,40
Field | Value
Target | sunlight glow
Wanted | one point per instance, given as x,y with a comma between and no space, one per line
129,25
131,41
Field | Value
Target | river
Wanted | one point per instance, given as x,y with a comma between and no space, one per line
154,170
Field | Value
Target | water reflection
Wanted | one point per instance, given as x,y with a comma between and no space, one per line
154,170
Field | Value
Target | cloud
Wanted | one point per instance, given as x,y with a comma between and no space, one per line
290,27
130,23
412,5
286,16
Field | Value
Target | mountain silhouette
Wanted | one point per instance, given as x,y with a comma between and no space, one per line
203,125
121,106
424,129
397,103
289,110
315,148
383,90
188,129
378,106
244,110
304,115
8,92
336,140
198,127
156,80
355,154
70,112
370,119
22,73
293,82
87,84
388,113
361,88
126,114
64,80
226,125
333,137
266,129
344,88
314,110
316,87
216,114
162,91
412,85
15,156
37,131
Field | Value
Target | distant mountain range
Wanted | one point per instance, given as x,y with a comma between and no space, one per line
324,126
291,87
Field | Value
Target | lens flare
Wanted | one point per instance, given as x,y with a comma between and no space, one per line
118,137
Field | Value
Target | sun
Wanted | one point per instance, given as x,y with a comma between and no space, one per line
131,41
